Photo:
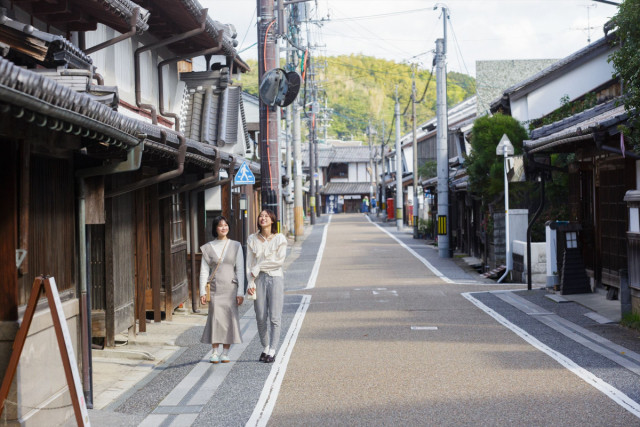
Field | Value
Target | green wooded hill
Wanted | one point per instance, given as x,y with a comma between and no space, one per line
361,88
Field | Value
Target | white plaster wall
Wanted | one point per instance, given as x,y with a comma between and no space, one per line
408,155
518,222
574,83
358,172
353,172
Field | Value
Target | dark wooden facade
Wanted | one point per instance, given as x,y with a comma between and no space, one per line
596,196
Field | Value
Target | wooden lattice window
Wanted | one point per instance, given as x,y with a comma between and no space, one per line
613,220
177,219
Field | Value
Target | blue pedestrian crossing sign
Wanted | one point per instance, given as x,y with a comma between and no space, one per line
244,175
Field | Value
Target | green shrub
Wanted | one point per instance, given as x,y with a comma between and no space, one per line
631,320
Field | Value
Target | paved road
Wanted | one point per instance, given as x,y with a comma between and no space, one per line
386,342
378,330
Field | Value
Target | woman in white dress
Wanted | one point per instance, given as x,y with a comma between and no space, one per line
266,252
224,257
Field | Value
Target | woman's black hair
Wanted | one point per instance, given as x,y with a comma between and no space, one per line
274,220
214,226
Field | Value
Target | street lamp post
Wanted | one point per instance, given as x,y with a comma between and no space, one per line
505,149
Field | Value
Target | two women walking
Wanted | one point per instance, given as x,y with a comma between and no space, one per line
223,267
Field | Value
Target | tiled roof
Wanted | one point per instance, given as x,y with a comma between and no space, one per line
34,92
344,188
330,154
63,109
578,127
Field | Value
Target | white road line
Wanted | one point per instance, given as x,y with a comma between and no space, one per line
203,368
316,266
415,254
269,395
613,393
592,341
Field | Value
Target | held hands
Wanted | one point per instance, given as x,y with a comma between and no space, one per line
251,291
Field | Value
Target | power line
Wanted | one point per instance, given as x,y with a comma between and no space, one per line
381,15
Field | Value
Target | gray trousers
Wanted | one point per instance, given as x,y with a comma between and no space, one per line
268,307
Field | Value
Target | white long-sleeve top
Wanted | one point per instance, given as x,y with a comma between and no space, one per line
205,270
265,256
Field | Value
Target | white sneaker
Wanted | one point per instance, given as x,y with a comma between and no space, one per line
224,358
214,358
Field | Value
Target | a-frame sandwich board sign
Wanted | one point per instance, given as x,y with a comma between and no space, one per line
64,343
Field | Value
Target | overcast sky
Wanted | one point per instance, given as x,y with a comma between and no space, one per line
406,30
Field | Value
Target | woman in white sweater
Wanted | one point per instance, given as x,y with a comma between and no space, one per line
266,252
222,265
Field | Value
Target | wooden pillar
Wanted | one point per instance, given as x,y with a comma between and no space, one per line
25,184
165,205
141,259
155,253
8,233
226,197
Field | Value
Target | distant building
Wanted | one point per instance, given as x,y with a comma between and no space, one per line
345,176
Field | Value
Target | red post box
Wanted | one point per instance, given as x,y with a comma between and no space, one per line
391,213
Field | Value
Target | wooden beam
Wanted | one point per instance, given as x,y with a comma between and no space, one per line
50,8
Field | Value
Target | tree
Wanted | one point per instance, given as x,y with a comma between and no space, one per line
626,62
428,170
485,168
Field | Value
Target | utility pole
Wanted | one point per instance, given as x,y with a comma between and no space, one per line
399,197
268,145
442,137
298,212
312,131
375,179
383,202
415,156
370,132
289,186
316,116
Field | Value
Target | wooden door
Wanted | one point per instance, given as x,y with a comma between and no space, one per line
175,284
120,264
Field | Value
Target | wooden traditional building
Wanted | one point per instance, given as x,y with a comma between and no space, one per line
345,177
579,96
103,175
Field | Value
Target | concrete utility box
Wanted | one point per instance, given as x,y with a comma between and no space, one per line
553,272
632,197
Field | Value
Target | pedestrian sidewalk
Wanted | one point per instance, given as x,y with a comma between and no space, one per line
119,371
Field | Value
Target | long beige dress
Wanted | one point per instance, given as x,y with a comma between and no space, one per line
223,323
